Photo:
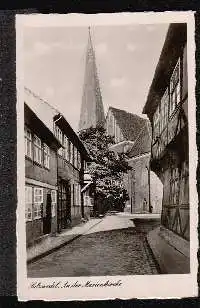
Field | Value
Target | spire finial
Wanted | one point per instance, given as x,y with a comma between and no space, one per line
89,31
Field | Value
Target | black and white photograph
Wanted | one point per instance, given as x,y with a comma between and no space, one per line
106,156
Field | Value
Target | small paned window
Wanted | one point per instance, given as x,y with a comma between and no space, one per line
156,123
75,157
58,133
66,148
37,150
71,153
53,202
46,156
53,196
164,110
79,160
28,143
175,88
38,202
28,203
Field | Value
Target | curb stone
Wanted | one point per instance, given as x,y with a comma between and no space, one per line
53,249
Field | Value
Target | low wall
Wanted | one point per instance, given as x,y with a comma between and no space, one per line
171,252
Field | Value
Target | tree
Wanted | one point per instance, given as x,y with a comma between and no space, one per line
106,169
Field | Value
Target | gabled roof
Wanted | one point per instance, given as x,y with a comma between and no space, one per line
129,123
47,114
174,42
142,144
39,128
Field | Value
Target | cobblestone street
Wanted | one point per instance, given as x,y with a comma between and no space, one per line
112,252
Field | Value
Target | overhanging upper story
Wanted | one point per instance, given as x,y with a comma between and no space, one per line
71,153
41,147
167,100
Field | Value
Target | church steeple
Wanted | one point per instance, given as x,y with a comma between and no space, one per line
92,111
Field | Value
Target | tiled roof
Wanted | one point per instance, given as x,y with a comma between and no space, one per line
142,143
129,123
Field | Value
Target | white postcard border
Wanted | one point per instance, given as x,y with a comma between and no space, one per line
151,286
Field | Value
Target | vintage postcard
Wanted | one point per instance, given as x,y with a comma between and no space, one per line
107,200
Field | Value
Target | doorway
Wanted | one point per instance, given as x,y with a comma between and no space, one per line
64,205
47,219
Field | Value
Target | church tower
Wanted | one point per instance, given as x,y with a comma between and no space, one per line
92,111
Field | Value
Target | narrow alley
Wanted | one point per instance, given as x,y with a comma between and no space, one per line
115,246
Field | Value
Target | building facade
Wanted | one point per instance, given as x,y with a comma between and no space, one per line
59,171
40,178
71,158
167,109
132,136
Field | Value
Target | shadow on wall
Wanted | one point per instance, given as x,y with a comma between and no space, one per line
156,193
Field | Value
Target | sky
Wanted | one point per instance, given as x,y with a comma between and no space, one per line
126,56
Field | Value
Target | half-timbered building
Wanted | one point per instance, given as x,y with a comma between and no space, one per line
63,168
40,177
166,107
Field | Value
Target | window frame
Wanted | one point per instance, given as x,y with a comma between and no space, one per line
156,122
37,205
71,154
54,198
28,140
37,148
28,209
46,155
66,147
175,88
78,160
164,107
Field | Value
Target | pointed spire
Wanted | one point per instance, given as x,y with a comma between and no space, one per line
90,50
92,111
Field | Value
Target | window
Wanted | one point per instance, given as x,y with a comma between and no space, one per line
79,161
72,194
175,88
66,148
53,196
75,194
156,123
164,110
71,153
28,143
53,202
79,194
38,200
37,149
46,156
28,203
75,157
174,186
58,134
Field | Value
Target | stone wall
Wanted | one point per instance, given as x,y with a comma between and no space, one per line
137,184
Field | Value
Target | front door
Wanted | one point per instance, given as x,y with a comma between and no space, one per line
47,219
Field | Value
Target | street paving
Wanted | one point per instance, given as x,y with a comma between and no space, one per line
110,248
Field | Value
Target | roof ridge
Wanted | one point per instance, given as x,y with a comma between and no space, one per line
41,99
128,112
